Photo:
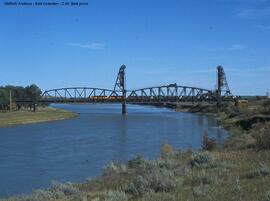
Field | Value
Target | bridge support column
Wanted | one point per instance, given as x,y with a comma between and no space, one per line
121,84
124,108
220,79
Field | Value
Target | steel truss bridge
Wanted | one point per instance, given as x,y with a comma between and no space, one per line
165,93
158,94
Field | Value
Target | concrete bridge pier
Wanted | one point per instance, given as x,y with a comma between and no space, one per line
124,93
124,109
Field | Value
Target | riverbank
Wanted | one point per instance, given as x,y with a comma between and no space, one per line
238,171
28,117
175,176
242,121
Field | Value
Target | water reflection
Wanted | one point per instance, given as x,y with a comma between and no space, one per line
31,156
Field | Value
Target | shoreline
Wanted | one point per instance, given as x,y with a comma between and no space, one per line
43,114
231,172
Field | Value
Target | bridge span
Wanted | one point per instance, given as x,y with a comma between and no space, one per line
171,93
168,93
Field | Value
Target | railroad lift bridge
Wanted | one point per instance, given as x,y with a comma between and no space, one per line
164,94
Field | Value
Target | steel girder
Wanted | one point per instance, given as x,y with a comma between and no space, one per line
81,94
164,93
170,93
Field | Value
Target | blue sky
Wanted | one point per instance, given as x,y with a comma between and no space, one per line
160,42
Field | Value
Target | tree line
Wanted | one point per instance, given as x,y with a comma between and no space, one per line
31,92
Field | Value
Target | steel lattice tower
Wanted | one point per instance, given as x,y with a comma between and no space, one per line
120,84
222,85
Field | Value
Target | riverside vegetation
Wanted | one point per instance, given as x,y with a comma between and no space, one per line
21,112
31,92
238,171
43,114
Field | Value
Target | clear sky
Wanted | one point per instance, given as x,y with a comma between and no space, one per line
159,41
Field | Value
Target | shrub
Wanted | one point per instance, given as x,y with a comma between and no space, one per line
261,133
266,196
115,196
139,162
208,144
141,165
162,181
65,189
181,171
113,168
202,159
139,187
156,181
201,178
263,170
232,111
40,195
162,163
199,191
266,107
236,188
166,149
57,191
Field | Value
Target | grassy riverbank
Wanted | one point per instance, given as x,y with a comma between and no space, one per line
29,117
245,122
238,171
175,176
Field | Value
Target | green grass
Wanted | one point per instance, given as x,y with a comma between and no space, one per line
27,117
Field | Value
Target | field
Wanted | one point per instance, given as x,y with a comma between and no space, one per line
27,117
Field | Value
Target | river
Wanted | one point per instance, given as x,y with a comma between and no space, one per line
32,156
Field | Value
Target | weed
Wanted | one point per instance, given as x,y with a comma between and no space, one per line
162,163
199,191
57,191
266,196
114,168
208,144
139,187
263,170
115,196
202,159
236,188
156,181
261,133
166,150
139,162
200,178
66,189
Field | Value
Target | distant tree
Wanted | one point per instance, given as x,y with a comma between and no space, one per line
4,100
18,93
29,93
33,92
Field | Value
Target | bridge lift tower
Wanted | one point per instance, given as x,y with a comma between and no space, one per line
120,84
222,85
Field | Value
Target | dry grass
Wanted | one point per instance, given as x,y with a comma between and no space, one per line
27,117
223,176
